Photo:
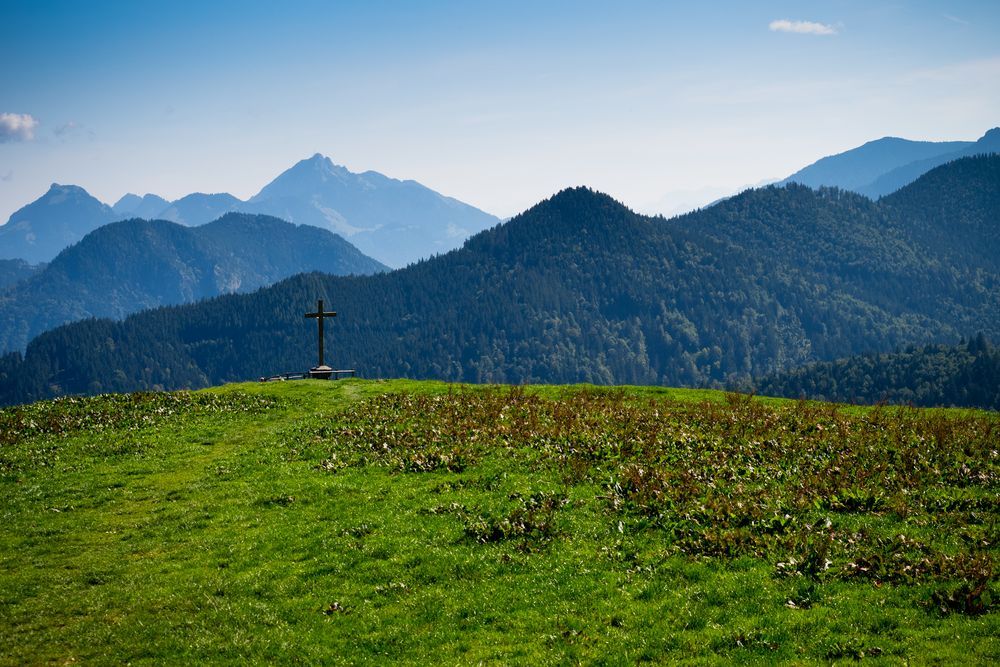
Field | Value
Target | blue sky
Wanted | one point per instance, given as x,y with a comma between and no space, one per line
498,104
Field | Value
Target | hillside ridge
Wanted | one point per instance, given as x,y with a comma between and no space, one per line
131,265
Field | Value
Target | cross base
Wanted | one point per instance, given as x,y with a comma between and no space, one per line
321,372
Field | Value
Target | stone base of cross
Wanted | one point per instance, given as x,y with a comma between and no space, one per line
320,372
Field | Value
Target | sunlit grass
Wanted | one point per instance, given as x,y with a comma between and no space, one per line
341,522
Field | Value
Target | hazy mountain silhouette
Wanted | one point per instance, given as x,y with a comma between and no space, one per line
62,216
199,208
881,167
396,221
860,167
900,176
148,207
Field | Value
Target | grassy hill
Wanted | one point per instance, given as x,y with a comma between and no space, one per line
414,522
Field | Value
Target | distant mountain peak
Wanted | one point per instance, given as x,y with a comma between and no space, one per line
67,189
319,163
397,222
318,160
127,199
304,175
574,208
989,142
147,206
37,231
583,193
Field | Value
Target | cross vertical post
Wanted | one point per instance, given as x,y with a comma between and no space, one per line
320,315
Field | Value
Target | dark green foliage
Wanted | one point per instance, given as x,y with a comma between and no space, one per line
580,289
954,212
965,375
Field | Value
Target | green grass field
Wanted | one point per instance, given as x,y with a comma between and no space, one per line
408,522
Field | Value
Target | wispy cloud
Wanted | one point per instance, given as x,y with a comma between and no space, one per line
66,129
955,19
7,177
17,127
802,27
72,131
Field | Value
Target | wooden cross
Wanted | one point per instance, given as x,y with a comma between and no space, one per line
319,315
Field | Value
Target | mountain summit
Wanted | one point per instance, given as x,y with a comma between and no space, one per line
397,222
60,217
147,207
302,178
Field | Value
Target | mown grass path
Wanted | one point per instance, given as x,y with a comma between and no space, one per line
362,521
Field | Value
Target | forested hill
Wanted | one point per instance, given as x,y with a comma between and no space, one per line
965,375
128,266
578,289
954,211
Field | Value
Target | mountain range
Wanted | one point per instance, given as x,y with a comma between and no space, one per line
885,165
581,289
396,222
132,265
400,222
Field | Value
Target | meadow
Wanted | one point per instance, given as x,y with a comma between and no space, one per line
419,522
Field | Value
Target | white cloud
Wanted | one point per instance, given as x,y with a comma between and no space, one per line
802,27
17,127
